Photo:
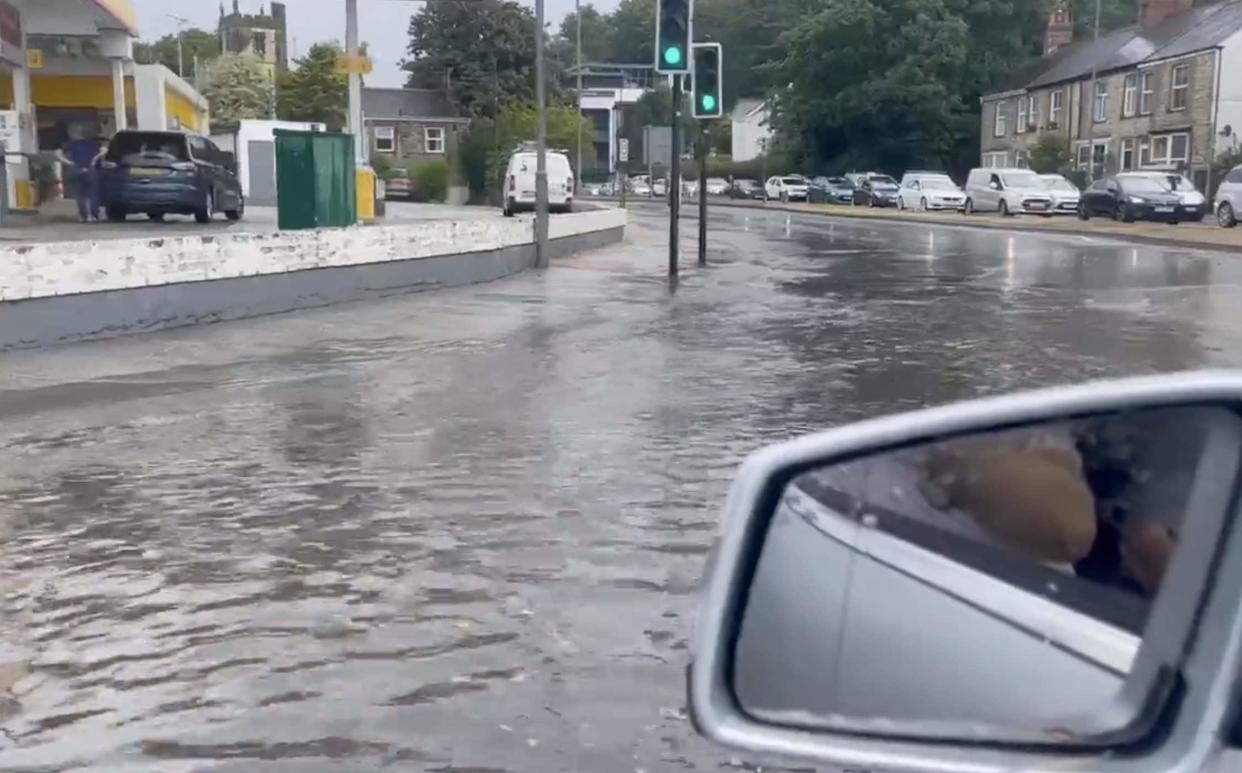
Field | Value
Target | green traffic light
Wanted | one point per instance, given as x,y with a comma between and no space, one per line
672,55
708,101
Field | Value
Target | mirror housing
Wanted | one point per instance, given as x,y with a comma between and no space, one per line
1200,650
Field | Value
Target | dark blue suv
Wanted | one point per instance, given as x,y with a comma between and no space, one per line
163,173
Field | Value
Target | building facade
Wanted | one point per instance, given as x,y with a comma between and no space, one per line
609,95
409,126
263,36
1165,93
751,133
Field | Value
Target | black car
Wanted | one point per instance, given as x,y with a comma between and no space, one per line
1128,198
876,190
162,173
833,190
746,188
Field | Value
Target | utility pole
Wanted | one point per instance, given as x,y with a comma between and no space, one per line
355,85
702,194
674,181
181,22
578,56
541,150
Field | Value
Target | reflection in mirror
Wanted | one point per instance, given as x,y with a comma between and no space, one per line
981,584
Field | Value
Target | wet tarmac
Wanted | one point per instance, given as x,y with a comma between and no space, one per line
462,531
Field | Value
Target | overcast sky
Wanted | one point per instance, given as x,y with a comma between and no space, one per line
383,24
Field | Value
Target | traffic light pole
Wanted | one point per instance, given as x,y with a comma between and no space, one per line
674,182
702,194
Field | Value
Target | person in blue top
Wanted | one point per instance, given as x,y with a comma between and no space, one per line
81,155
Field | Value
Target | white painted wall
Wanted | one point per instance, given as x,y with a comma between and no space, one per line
748,136
239,142
67,268
149,101
1229,108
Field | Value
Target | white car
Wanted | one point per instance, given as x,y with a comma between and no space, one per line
519,189
929,190
1183,188
659,187
717,186
788,188
1065,195
1007,191
639,187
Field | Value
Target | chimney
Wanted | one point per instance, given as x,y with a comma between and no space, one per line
1060,30
1152,12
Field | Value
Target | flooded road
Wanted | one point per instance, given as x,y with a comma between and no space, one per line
462,531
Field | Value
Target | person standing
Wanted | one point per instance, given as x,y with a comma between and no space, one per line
81,156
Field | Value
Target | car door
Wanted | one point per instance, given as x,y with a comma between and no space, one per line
208,169
228,186
992,192
772,188
910,194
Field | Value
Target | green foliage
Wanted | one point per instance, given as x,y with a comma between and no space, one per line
1221,165
483,150
596,36
430,180
481,51
314,90
194,42
1051,154
239,89
382,164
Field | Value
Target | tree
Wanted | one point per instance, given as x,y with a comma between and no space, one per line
595,35
481,53
631,32
1050,154
314,90
239,89
194,43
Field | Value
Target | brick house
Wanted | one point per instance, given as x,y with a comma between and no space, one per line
409,125
1165,93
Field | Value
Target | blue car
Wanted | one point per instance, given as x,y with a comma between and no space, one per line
161,173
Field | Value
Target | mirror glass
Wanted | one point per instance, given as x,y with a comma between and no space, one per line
1001,582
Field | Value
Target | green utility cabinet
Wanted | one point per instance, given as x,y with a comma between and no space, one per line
315,180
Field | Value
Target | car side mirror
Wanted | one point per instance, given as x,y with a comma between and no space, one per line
994,185
1038,581
229,161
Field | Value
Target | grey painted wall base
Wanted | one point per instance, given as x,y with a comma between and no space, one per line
67,318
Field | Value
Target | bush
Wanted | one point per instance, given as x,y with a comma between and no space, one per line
430,180
382,164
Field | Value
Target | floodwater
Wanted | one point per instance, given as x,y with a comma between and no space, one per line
463,531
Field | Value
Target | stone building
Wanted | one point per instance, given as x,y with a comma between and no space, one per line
1164,93
263,36
409,125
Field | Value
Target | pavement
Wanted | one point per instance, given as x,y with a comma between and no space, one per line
1206,234
59,222
464,530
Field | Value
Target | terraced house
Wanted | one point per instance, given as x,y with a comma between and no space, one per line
1164,93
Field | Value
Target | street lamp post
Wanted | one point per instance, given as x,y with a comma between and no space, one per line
181,22
354,119
541,142
578,57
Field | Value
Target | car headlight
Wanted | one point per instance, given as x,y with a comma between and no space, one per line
1194,199
1137,200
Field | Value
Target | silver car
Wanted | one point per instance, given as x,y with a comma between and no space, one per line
1065,194
1229,198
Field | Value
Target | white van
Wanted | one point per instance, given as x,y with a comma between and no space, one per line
519,185
1007,191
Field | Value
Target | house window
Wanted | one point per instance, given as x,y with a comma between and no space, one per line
1101,101
1099,158
1129,98
433,139
385,139
995,160
1144,152
1023,117
1034,112
1145,89
1179,86
1166,151
1127,154
1054,109
1022,159
998,124
1084,156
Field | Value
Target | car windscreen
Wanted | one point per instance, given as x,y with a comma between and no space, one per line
746,183
882,181
1022,180
938,183
840,182
1179,183
172,146
1059,184
793,181
1142,185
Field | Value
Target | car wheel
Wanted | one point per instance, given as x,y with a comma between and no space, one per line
116,213
923,204
968,208
1003,208
205,213
236,214
1083,212
1225,216
156,216
1123,215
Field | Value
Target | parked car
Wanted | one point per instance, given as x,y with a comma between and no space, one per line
1129,197
1194,205
639,187
1229,198
1007,191
876,190
833,190
519,193
746,188
398,185
659,187
717,186
1065,195
787,188
929,190
163,173
689,189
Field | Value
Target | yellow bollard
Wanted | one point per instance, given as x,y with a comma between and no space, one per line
365,186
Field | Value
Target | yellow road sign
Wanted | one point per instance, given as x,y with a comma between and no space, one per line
355,63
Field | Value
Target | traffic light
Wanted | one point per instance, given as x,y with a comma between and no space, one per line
673,36
708,94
